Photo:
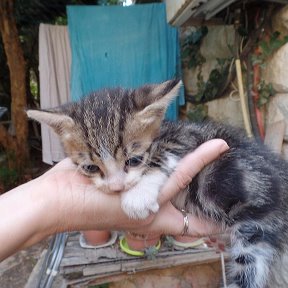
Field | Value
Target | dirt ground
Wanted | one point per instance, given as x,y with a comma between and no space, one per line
15,270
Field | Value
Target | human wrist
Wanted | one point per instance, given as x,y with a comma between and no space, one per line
22,211
200,227
42,206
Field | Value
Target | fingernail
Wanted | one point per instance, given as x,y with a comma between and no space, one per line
224,147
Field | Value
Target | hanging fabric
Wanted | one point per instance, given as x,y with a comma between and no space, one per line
116,46
54,68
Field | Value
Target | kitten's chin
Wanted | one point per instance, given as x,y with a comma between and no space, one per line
106,190
110,192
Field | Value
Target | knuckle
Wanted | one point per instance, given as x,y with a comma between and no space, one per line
182,179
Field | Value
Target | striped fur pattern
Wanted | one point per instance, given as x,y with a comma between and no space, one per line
118,138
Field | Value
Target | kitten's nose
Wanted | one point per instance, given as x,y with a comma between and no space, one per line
115,178
116,186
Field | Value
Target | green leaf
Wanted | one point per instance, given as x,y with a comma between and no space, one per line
185,53
264,48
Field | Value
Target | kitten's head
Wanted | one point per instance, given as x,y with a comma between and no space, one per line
108,133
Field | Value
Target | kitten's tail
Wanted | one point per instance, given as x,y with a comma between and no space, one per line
253,252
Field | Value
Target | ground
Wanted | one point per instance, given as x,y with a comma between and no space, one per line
15,270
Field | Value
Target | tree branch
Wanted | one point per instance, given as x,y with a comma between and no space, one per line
16,64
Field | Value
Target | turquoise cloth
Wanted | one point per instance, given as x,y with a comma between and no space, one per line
115,46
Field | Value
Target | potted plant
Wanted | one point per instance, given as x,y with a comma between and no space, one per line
183,242
96,237
140,244
193,241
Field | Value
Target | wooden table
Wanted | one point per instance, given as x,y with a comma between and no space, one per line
85,267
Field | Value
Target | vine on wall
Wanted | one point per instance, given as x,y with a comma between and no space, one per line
266,48
192,58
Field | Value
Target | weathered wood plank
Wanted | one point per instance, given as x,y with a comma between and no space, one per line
81,265
77,256
169,261
101,269
121,279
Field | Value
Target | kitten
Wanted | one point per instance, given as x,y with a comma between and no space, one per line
118,138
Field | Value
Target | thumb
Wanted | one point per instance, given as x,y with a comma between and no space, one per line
190,166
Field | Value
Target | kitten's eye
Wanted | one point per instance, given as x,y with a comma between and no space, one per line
90,168
134,161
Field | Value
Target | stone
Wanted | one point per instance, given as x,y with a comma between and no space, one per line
190,76
217,42
276,70
214,45
277,111
274,136
226,110
280,21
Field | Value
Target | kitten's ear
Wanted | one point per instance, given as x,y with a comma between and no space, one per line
155,99
59,122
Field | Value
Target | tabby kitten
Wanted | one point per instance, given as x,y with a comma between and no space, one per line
118,138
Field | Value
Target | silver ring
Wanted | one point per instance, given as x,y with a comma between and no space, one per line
185,222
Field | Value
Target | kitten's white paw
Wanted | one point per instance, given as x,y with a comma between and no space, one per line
138,205
141,200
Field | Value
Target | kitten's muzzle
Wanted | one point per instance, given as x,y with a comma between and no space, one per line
116,183
116,187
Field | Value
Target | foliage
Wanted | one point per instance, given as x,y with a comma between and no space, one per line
27,14
192,58
267,47
265,91
197,113
169,242
111,2
208,90
33,85
191,55
151,252
61,20
9,176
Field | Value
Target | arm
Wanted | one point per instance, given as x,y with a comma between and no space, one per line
63,200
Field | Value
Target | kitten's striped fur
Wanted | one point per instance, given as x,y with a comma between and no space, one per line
119,139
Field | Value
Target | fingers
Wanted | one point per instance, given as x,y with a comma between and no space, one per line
63,164
167,221
170,221
190,166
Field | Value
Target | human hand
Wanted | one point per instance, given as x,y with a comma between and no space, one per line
169,220
64,200
81,207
